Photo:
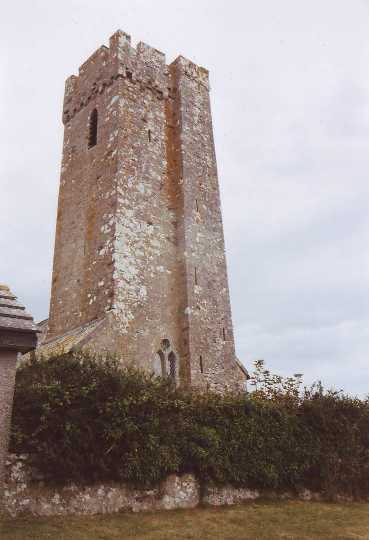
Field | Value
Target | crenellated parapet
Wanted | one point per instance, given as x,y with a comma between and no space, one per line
143,65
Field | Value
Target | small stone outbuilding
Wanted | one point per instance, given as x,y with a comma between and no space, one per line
18,334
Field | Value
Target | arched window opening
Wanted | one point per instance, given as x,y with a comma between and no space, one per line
162,370
201,364
172,365
165,344
92,129
165,362
158,364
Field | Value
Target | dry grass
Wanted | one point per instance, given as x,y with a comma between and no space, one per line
258,521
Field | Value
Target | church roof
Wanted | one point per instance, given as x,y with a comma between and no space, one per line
68,341
242,368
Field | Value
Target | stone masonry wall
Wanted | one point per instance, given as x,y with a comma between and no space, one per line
139,236
208,323
7,383
27,492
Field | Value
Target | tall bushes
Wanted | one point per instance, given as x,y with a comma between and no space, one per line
85,420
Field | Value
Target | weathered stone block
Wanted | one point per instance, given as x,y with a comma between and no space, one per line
226,495
180,492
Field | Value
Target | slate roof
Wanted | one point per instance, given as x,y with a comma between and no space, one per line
43,327
13,316
68,341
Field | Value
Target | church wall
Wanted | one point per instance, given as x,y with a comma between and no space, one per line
82,287
210,332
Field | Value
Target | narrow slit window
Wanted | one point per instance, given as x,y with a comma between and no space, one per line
195,275
197,205
224,335
149,135
201,364
92,129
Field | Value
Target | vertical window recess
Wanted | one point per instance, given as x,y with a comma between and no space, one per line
224,335
92,129
201,364
195,275
149,135
172,365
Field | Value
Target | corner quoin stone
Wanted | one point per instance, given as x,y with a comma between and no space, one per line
139,263
18,334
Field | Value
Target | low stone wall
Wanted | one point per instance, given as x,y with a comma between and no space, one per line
26,492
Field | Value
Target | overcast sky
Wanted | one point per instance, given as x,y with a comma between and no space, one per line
290,100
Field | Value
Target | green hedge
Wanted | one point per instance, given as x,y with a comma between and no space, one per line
86,420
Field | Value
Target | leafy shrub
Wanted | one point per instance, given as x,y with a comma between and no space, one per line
85,419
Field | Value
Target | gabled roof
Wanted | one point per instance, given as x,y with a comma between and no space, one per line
43,327
18,330
68,341
13,315
242,368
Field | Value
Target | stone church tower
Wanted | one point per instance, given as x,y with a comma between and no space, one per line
139,263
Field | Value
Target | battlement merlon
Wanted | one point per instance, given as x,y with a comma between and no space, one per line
144,65
185,67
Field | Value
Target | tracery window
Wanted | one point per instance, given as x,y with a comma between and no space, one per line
168,361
